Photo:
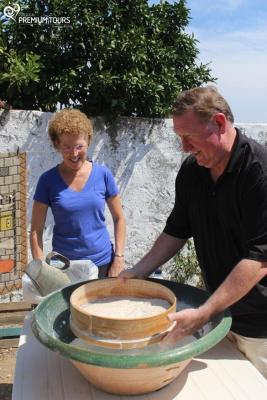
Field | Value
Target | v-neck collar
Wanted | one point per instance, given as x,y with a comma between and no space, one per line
84,186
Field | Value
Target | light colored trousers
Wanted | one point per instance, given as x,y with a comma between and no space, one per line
254,349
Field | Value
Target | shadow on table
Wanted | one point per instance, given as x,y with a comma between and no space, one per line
228,351
6,391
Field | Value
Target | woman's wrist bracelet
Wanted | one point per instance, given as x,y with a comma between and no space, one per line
118,255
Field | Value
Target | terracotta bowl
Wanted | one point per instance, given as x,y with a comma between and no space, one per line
120,333
125,371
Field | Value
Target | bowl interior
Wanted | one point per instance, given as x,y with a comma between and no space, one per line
52,328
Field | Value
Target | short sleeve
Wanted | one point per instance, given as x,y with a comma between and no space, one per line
254,215
111,186
42,190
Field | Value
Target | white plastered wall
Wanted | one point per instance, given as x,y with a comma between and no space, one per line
143,155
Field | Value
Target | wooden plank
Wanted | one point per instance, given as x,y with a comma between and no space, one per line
240,367
7,343
14,317
8,326
40,383
15,306
10,331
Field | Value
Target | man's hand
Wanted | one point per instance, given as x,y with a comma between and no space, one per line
238,283
187,322
129,274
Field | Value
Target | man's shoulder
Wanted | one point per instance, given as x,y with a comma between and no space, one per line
256,154
252,144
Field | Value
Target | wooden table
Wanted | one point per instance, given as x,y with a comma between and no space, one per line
222,373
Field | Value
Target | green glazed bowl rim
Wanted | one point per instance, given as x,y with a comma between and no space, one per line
120,358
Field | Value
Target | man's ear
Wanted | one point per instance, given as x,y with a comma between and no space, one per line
221,121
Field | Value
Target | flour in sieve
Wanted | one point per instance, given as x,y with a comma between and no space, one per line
126,307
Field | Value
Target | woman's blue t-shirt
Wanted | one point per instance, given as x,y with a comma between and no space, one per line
80,231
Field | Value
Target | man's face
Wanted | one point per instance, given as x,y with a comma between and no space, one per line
201,139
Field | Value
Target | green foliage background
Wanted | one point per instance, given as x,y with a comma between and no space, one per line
117,57
185,267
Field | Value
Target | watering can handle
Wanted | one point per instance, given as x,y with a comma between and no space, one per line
58,256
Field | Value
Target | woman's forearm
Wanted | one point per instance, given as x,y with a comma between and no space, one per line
36,242
39,211
119,235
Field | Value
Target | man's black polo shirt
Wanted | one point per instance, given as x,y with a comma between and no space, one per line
228,221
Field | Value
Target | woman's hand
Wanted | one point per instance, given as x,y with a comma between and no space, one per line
116,267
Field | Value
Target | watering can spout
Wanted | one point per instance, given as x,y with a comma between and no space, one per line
45,277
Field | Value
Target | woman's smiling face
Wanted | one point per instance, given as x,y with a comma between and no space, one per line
73,149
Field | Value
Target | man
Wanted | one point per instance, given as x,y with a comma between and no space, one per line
221,201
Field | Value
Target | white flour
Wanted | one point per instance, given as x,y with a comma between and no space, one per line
126,307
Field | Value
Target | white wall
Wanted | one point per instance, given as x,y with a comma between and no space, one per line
143,155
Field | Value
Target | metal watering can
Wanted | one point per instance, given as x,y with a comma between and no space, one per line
47,278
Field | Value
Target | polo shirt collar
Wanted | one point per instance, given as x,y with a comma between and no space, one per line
234,161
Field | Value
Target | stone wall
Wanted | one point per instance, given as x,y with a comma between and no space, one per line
143,154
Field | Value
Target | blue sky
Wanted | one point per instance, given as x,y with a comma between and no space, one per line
232,36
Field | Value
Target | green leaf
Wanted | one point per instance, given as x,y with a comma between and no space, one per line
116,57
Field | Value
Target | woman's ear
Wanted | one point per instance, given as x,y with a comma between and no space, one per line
56,144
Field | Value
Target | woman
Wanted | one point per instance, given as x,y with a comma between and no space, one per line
76,190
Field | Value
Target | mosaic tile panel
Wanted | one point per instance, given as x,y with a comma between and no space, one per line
13,220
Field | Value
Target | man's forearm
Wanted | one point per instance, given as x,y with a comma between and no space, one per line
245,275
164,248
239,282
